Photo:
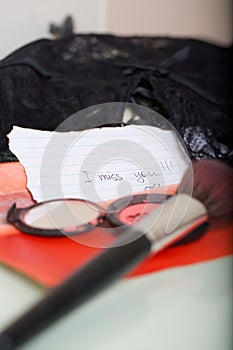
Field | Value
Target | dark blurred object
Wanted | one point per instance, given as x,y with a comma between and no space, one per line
187,81
65,30
213,186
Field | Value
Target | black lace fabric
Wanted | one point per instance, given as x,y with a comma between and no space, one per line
187,81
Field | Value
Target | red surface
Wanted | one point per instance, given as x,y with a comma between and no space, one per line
49,260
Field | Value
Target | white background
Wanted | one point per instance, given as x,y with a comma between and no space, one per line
26,20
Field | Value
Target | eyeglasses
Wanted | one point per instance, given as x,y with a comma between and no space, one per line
69,217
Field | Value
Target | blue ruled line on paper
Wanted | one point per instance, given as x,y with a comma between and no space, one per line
42,159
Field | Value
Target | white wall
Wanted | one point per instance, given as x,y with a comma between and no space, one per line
22,21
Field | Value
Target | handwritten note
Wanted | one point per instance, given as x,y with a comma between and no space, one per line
98,164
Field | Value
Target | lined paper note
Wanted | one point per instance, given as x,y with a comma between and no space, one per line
98,164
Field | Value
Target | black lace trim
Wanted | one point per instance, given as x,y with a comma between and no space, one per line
187,81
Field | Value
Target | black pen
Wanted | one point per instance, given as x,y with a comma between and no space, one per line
175,219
